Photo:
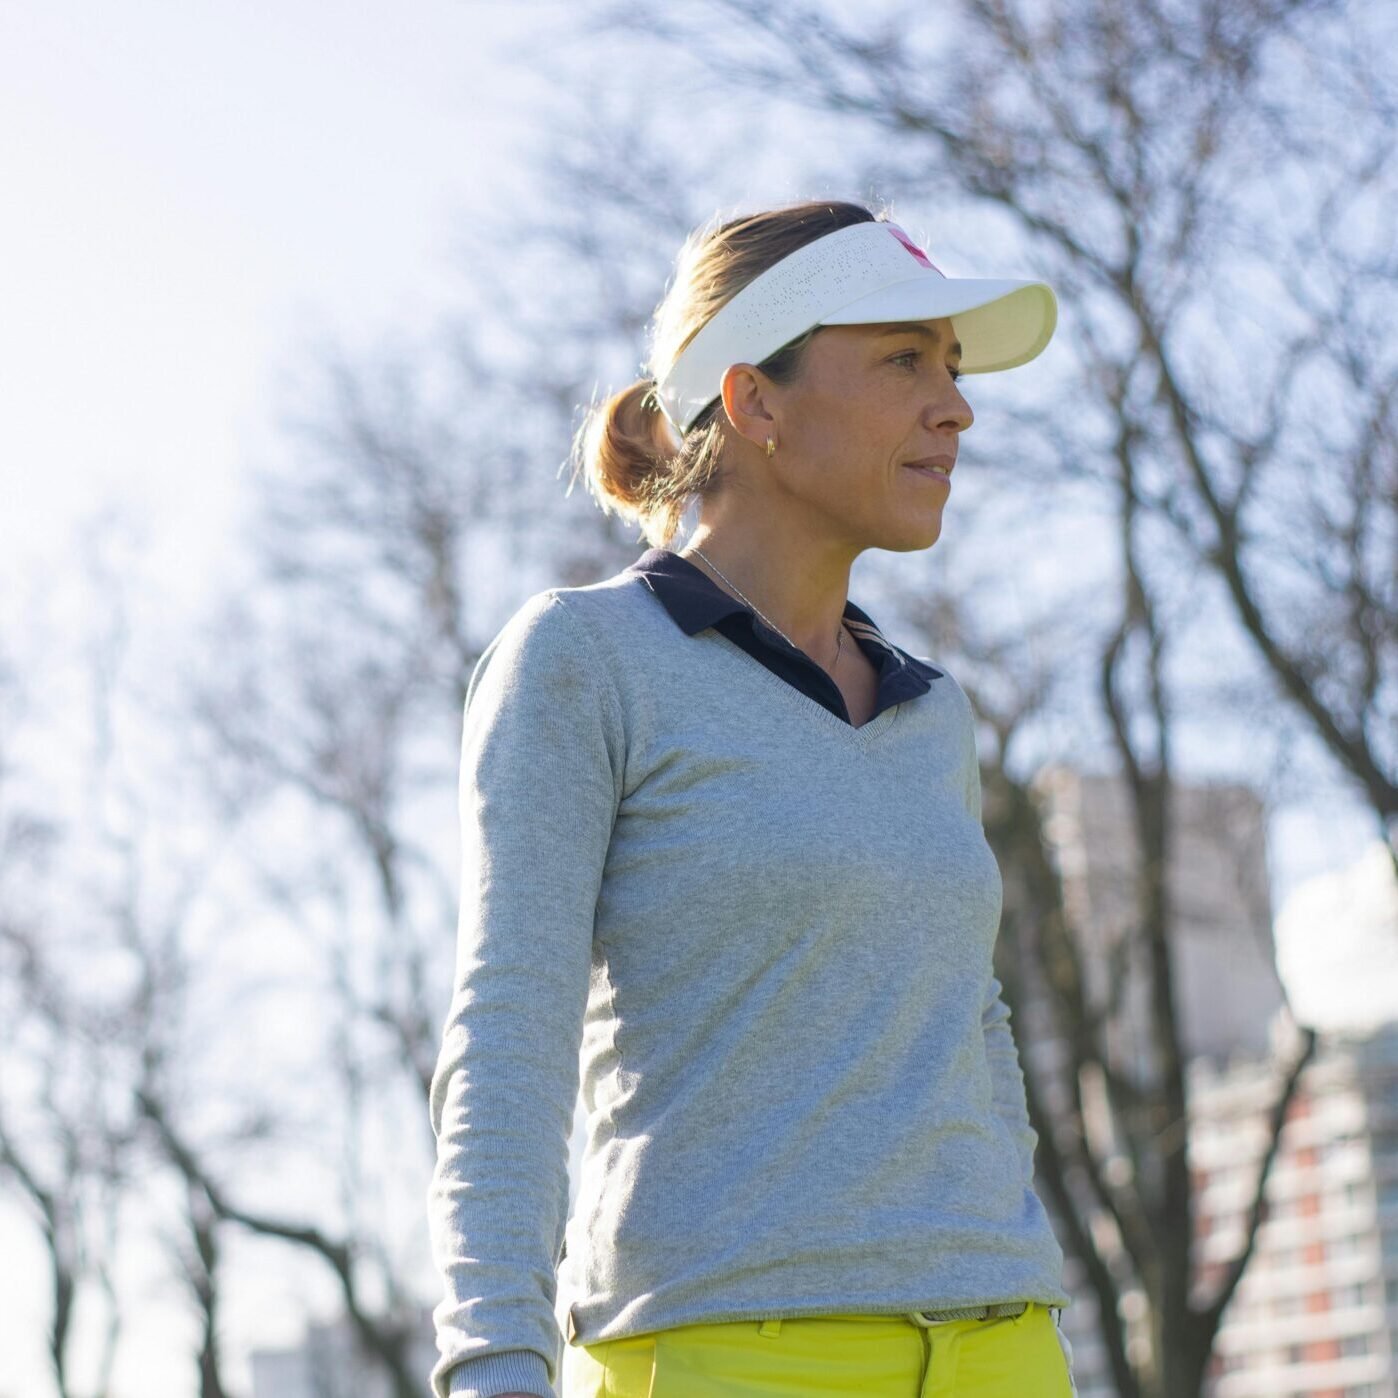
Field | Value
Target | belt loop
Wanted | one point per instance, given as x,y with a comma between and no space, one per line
771,1326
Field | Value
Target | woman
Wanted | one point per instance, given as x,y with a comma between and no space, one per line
722,846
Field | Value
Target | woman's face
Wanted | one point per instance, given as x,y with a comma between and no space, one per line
871,399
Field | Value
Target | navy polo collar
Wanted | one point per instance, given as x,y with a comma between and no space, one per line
695,601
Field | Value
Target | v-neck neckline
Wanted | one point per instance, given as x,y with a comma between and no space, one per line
862,735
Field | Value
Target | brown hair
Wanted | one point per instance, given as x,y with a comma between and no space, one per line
625,445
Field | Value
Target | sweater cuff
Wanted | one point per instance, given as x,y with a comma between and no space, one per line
506,1371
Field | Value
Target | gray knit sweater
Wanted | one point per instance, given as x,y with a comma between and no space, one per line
759,939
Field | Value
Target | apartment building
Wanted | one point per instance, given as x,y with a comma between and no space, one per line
1316,1313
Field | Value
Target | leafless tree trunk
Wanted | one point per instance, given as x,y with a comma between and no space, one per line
199,1263
386,1339
1149,1201
58,1149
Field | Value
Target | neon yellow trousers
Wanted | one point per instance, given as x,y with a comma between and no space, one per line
883,1356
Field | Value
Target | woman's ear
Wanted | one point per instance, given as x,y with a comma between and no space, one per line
747,393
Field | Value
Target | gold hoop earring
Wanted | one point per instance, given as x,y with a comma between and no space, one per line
771,446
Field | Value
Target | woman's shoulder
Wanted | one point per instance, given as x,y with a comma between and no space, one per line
621,599
604,619
552,612
557,632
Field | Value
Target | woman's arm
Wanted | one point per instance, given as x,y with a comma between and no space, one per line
541,777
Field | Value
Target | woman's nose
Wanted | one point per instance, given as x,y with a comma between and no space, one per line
951,410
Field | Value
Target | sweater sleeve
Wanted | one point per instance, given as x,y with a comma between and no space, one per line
542,762
1006,1075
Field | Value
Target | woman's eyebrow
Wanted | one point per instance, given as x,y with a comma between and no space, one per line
917,330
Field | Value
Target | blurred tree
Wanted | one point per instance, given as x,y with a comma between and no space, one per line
90,983
1210,187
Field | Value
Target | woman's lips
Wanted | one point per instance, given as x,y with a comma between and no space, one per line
931,473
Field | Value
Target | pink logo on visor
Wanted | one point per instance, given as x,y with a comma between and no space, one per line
913,248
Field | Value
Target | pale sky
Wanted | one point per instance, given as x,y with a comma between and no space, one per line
192,191
188,195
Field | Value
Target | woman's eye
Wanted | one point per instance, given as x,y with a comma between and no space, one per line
914,355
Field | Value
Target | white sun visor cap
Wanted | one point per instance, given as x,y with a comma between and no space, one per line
866,274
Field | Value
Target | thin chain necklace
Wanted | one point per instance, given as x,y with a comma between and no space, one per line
839,645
